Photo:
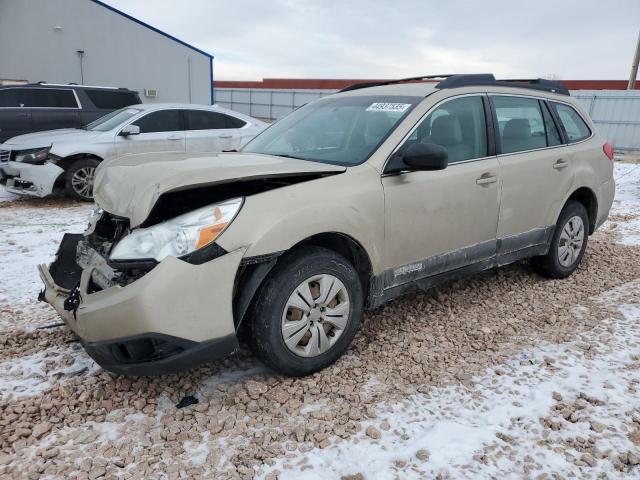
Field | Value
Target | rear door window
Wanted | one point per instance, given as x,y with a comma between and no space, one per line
520,123
53,98
160,121
14,97
112,99
575,128
204,120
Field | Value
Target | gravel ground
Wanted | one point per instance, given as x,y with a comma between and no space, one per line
504,374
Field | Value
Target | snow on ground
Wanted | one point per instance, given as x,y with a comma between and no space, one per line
625,211
31,232
511,421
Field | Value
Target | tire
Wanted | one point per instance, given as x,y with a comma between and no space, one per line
80,170
565,254
317,268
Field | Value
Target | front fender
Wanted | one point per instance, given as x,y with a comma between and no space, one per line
351,204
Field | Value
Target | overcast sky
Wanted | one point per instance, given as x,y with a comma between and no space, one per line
252,39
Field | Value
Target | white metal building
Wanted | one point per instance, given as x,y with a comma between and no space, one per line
89,42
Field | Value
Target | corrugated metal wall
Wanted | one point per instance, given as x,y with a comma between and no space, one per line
616,113
267,104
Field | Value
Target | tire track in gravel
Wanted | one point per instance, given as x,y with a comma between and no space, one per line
417,342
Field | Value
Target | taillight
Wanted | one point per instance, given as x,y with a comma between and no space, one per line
607,148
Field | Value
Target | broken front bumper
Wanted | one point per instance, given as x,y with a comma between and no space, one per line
175,317
28,179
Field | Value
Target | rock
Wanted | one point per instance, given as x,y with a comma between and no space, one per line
556,396
422,455
300,432
51,453
40,429
97,473
373,432
597,427
633,459
589,460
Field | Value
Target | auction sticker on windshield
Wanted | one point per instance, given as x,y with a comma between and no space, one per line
388,107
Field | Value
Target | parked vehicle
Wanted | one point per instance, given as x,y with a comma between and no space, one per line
37,107
40,163
344,204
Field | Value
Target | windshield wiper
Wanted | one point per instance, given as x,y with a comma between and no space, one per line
286,155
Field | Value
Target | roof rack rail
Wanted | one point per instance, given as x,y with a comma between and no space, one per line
475,79
488,79
357,86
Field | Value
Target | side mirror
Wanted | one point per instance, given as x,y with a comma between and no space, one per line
420,156
130,130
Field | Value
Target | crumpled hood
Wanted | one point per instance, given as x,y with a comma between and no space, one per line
130,186
48,137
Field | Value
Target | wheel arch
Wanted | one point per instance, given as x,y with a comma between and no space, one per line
251,277
587,197
66,162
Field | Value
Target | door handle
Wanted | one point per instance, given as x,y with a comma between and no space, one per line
226,136
174,137
560,164
486,179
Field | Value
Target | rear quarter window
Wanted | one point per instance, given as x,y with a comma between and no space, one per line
112,99
574,127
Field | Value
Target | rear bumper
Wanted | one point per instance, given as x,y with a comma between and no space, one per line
26,179
606,193
175,317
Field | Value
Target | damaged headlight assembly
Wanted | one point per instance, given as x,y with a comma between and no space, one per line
179,236
33,155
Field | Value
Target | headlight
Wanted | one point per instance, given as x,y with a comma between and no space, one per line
178,236
33,155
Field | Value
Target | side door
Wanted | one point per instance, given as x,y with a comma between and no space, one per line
536,173
160,131
438,221
208,131
54,108
15,114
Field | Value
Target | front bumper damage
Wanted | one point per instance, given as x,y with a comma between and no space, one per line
172,318
27,179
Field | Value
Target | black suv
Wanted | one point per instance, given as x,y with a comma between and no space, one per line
43,106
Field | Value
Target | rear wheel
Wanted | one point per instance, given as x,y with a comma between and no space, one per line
568,244
307,311
79,179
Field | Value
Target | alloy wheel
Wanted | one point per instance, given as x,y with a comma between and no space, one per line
82,181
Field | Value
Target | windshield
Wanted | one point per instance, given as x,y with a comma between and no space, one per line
112,120
338,130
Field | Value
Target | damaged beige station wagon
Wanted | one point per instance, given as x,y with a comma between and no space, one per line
342,205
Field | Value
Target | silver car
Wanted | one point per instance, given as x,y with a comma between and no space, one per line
343,205
38,163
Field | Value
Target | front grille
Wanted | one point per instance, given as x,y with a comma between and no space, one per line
4,156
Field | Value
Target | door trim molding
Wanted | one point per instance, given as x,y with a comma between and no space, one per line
435,270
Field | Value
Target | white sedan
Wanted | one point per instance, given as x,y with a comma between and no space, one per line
38,163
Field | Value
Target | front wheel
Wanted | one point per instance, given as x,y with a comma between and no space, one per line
307,311
568,244
79,179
